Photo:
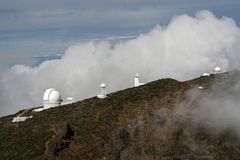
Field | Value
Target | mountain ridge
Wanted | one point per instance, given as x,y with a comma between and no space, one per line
135,123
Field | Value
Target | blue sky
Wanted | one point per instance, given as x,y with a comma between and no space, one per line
47,27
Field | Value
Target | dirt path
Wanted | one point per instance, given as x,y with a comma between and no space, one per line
47,142
46,147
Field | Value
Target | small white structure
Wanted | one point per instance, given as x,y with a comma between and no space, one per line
20,119
200,87
69,100
38,109
217,70
103,91
137,81
51,98
205,75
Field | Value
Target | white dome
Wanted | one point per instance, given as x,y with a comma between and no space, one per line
103,85
52,96
217,69
205,74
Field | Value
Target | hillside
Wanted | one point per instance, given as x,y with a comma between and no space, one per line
139,123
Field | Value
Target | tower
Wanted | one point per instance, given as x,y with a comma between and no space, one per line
137,80
103,91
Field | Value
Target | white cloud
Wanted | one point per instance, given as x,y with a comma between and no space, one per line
185,48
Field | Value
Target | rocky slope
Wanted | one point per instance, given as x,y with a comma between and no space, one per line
149,122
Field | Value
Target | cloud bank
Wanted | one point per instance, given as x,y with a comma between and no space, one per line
185,48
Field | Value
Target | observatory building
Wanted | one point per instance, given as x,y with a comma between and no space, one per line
51,98
20,119
205,74
137,81
217,70
69,100
103,91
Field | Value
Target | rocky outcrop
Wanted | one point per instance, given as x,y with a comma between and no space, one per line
64,137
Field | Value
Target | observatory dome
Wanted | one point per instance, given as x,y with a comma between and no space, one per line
205,74
217,69
103,85
51,98
52,95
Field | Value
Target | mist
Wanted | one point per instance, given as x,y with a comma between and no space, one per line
184,49
215,108
218,108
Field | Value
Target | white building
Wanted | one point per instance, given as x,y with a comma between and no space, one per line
38,109
103,93
20,119
205,74
137,81
51,98
217,70
69,100
200,87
